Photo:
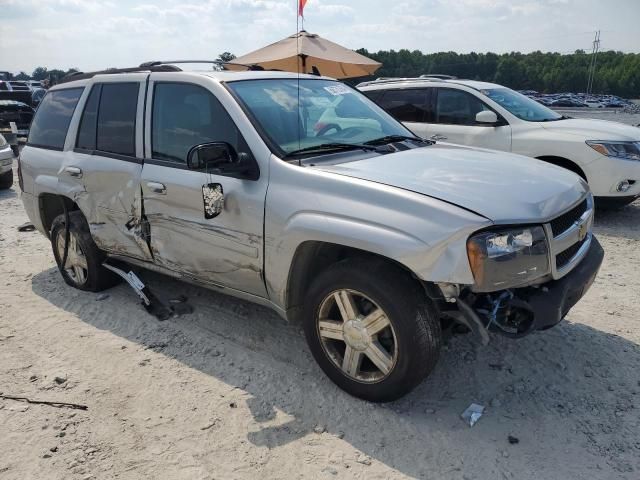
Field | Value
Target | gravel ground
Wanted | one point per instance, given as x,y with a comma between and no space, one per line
231,391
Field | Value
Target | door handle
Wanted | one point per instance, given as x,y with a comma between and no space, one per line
157,187
73,171
437,136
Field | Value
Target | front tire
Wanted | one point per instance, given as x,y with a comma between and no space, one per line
371,328
83,269
6,180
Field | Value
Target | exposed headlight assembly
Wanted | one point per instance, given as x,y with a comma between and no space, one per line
624,150
508,258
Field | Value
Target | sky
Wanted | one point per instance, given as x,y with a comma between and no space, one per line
91,34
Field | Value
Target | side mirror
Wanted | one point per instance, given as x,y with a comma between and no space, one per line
220,158
486,116
214,155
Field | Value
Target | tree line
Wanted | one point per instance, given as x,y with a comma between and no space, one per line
616,72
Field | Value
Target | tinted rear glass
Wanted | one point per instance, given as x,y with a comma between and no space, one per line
408,105
50,124
87,131
117,118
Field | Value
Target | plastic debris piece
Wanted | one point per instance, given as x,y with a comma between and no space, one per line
472,414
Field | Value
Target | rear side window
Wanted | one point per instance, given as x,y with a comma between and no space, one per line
455,107
117,118
50,124
89,121
409,105
374,94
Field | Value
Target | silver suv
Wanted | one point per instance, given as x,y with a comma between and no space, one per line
376,241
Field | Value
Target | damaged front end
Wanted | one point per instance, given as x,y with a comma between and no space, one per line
517,312
527,277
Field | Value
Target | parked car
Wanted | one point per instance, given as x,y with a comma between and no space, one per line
371,238
19,113
34,84
8,91
568,102
480,114
6,161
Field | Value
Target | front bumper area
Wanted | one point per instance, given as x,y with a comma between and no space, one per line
552,301
518,312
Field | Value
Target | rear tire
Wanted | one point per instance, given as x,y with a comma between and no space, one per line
390,340
6,180
84,269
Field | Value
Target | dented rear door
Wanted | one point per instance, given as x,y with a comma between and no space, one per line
107,161
186,236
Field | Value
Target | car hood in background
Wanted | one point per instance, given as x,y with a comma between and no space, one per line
591,129
502,187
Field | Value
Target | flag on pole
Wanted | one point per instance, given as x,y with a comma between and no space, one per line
301,4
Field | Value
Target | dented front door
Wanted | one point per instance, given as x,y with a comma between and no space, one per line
207,227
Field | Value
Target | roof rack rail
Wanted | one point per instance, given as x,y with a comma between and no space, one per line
439,76
112,71
153,66
378,81
157,63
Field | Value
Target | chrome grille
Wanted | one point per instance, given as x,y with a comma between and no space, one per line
563,222
569,236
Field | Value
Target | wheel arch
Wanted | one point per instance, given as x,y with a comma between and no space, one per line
50,205
312,257
564,163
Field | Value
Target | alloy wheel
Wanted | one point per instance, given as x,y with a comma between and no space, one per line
76,265
357,335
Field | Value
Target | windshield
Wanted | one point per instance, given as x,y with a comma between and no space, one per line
320,112
522,107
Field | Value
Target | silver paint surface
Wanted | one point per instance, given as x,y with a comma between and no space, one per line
417,207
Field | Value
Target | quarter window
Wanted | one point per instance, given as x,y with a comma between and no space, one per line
87,131
50,124
406,105
117,118
456,107
186,115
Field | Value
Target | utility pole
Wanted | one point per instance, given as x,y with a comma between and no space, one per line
592,64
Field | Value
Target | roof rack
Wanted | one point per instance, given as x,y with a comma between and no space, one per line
112,71
421,78
438,76
222,63
153,66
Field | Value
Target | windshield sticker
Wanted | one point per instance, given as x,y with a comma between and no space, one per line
338,89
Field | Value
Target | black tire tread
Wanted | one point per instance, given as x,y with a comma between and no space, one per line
409,297
6,180
98,277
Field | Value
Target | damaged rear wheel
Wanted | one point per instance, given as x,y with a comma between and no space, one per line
83,268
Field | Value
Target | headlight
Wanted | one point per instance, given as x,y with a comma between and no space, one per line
625,150
508,258
3,142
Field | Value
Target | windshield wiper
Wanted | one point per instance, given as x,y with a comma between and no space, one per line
396,138
332,147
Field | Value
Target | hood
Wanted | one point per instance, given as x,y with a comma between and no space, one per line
502,187
590,129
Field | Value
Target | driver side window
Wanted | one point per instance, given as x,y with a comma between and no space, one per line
456,107
185,115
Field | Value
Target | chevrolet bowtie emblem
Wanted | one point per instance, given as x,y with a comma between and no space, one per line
582,231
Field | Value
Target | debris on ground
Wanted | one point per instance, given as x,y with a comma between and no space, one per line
472,414
45,402
26,227
513,440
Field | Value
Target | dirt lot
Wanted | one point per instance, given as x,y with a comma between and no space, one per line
231,391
